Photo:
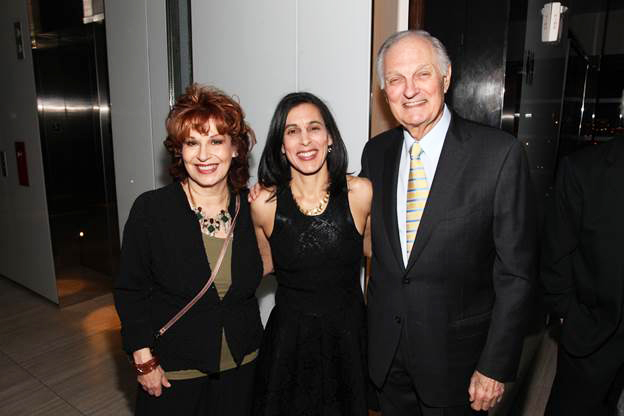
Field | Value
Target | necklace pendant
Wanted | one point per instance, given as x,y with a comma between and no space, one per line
211,226
208,225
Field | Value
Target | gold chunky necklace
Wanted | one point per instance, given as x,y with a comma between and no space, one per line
317,209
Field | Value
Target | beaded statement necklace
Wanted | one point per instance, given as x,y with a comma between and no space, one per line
209,225
317,209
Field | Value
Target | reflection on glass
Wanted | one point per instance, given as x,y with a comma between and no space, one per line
179,47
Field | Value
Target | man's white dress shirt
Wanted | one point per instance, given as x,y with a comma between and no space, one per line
431,145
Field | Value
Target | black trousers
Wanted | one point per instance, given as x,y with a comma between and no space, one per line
399,397
588,385
228,394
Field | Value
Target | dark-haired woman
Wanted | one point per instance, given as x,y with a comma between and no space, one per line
204,363
310,220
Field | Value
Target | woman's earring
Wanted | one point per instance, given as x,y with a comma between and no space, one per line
234,154
329,148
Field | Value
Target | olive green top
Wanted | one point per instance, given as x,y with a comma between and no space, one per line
222,283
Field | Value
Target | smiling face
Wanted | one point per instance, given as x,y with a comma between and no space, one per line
414,86
207,158
306,139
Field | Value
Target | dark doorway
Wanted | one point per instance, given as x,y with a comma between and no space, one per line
70,66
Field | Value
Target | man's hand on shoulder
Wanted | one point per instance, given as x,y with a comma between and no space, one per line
484,392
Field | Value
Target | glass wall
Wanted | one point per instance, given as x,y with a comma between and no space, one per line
564,95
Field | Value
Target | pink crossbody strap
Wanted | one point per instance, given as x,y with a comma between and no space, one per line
215,270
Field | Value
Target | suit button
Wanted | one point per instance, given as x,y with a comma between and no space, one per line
397,319
406,281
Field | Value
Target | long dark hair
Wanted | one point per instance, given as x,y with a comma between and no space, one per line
274,168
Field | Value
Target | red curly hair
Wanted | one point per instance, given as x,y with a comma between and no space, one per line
193,110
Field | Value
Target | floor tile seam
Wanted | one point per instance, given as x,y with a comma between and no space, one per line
70,341
54,392
93,300
60,319
25,312
97,325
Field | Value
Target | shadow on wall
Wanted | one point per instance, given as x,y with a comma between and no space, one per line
381,117
161,168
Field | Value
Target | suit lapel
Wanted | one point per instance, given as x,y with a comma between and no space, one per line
447,177
392,158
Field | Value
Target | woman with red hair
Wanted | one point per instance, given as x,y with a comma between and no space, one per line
190,267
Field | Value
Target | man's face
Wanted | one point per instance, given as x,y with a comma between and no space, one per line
414,85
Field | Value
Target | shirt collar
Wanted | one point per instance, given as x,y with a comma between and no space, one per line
432,142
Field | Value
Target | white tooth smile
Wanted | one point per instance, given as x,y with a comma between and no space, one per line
207,168
308,153
414,103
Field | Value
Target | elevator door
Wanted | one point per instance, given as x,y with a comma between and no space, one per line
72,95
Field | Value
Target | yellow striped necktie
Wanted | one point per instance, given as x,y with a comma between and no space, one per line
417,192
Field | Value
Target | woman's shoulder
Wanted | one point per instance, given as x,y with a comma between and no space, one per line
264,205
359,185
360,192
264,196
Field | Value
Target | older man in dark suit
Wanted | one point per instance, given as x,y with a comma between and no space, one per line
453,244
583,275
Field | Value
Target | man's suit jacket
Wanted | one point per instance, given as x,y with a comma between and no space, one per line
464,294
582,258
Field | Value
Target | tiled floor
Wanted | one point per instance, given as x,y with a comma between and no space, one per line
61,361
68,361
76,284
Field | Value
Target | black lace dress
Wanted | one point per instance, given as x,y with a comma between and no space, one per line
313,356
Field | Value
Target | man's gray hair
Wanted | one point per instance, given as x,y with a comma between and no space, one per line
443,59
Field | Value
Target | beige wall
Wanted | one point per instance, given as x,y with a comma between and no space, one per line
280,46
389,16
136,41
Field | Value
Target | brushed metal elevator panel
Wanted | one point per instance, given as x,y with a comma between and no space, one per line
74,117
474,33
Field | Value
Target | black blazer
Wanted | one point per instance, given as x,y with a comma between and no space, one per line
164,265
582,262
464,294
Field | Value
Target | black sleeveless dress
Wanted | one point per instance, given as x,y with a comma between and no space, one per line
312,359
